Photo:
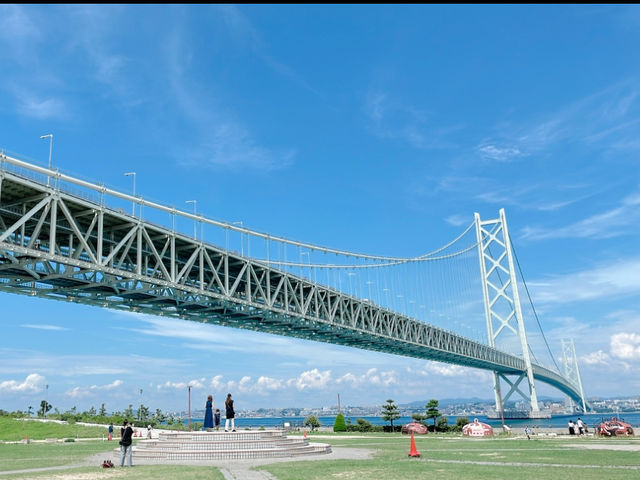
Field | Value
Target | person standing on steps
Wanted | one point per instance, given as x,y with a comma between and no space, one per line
216,417
126,448
230,414
208,413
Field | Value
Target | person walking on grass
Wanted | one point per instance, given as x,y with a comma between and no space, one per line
230,414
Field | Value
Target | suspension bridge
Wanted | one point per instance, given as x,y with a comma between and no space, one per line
68,239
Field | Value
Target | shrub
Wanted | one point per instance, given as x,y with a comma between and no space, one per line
312,421
339,425
363,425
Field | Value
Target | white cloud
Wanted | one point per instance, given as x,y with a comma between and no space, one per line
33,383
607,281
459,220
596,358
618,221
370,378
499,154
43,327
83,392
110,386
625,346
311,380
222,140
431,368
168,385
392,119
15,24
39,107
78,392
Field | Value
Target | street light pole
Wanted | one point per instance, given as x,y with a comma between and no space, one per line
50,137
195,223
241,239
189,419
133,206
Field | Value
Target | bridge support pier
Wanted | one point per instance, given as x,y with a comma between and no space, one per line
503,312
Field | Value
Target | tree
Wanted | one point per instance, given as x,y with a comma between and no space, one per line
103,411
143,412
44,408
128,413
443,424
418,417
159,416
312,421
339,425
390,412
432,411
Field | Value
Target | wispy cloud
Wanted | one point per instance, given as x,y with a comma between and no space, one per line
459,220
500,154
390,118
618,221
40,107
223,339
222,140
44,327
69,365
93,390
605,118
249,38
606,281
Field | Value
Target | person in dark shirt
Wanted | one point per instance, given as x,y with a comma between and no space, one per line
230,414
126,443
216,417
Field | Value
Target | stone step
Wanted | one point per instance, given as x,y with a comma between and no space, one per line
216,436
220,446
236,445
232,454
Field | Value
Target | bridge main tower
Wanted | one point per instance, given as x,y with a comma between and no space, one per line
502,308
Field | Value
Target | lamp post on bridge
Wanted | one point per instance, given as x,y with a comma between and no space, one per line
241,238
195,222
189,417
50,137
133,206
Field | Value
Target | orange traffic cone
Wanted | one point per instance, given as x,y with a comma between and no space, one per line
413,452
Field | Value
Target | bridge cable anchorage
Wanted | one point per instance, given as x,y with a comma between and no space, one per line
533,307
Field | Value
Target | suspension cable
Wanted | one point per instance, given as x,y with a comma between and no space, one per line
535,314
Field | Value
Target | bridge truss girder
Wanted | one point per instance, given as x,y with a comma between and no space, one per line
59,246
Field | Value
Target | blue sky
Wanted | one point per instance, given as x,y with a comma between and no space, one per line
377,129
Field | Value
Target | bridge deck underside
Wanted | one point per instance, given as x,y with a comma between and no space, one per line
60,246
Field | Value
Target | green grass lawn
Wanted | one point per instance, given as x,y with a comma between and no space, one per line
443,457
446,457
12,430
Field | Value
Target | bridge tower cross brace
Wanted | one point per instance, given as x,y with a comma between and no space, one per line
571,371
502,302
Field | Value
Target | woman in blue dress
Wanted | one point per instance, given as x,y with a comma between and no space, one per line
208,413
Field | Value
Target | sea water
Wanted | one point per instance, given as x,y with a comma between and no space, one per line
557,421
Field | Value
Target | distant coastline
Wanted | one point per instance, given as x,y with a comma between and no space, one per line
556,421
